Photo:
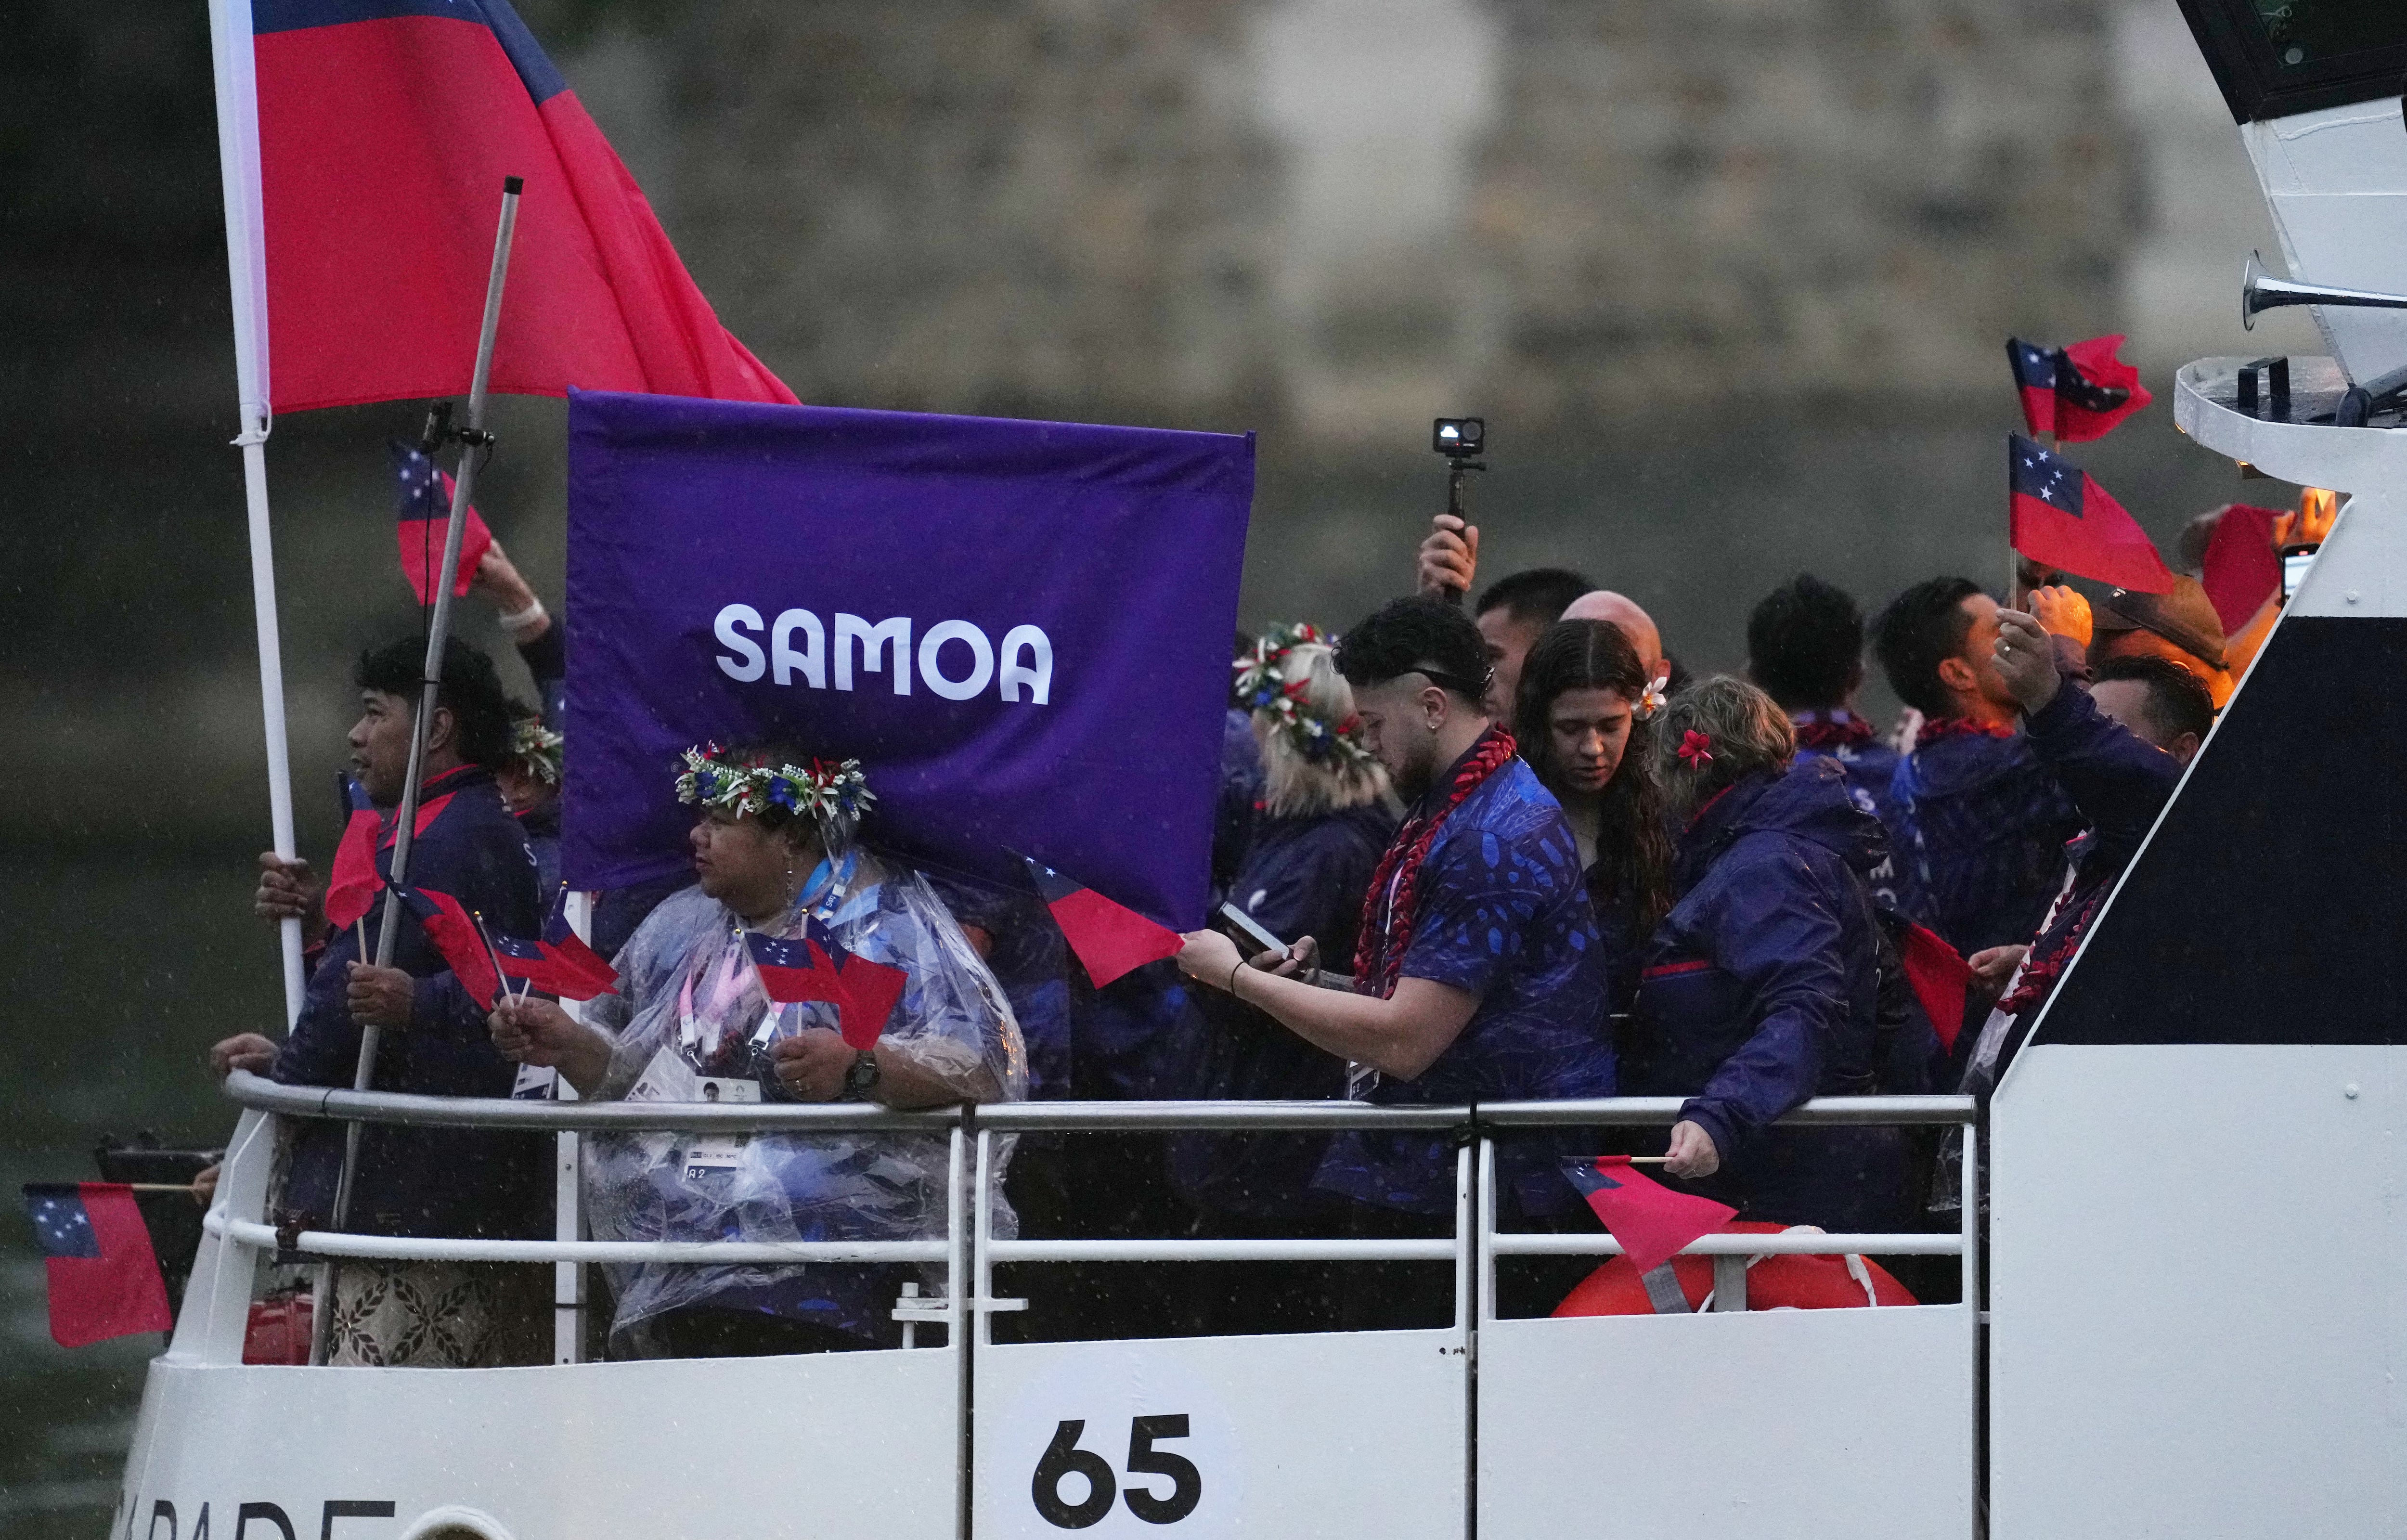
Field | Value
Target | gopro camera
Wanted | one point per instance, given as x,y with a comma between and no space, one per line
1459,437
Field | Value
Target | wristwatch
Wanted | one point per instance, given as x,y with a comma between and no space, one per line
861,1079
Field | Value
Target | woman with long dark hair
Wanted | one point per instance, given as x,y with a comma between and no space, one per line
1583,714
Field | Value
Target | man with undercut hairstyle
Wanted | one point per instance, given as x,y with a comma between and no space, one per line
1478,976
1978,822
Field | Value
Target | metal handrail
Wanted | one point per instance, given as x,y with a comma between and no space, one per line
380,1107
331,1243
1646,1111
388,1107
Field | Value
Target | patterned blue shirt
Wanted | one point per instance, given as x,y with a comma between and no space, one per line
1504,915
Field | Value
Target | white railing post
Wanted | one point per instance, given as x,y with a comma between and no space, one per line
963,1249
217,1298
1976,1312
568,1295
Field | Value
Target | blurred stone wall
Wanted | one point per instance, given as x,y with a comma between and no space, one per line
1796,199
1053,206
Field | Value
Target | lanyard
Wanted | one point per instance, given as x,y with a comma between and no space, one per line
822,892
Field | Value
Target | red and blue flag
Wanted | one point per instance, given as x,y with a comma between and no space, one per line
104,1275
1111,939
458,938
423,511
816,966
362,862
363,145
2060,518
2077,392
352,883
1651,1221
570,968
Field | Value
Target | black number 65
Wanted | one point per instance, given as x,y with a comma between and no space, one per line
1062,1457
1186,1481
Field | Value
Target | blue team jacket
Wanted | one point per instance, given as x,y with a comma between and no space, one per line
1761,990
428,1182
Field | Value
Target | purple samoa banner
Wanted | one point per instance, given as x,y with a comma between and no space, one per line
1020,630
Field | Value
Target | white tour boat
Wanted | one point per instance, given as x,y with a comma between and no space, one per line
2195,1322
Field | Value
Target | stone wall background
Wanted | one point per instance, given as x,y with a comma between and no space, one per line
1729,278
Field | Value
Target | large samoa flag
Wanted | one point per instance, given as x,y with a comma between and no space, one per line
364,143
1020,629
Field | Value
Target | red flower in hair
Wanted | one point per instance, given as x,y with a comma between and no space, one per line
1697,748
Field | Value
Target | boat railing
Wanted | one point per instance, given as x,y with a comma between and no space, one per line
969,1245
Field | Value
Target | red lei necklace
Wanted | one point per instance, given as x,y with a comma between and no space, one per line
2040,974
1957,727
1379,955
1824,736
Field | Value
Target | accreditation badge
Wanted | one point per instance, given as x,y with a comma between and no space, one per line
707,1152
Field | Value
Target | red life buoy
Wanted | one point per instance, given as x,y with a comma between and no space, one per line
1772,1283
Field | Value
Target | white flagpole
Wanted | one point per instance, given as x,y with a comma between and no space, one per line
237,96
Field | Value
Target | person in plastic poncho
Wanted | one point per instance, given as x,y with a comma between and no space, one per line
774,849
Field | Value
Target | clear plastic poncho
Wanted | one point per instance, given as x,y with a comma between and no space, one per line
691,1021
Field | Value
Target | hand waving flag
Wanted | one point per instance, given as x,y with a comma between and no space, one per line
2060,518
1652,1223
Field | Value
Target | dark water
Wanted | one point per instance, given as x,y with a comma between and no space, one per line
123,971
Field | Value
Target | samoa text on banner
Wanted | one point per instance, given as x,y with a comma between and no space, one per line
1020,630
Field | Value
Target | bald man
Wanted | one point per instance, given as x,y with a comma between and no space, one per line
1635,623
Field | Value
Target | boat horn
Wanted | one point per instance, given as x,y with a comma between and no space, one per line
2259,292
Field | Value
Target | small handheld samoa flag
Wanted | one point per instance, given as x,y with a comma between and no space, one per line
2060,518
352,884
423,515
520,957
1652,1223
359,864
815,967
1110,939
2078,392
1939,978
573,970
456,938
105,1278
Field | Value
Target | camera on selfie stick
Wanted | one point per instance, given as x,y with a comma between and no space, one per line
1460,439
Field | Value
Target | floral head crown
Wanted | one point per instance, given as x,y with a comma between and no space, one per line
537,748
1259,687
835,795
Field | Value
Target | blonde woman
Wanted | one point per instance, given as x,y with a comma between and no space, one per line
1326,815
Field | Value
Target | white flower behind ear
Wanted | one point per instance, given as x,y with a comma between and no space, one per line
1650,700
